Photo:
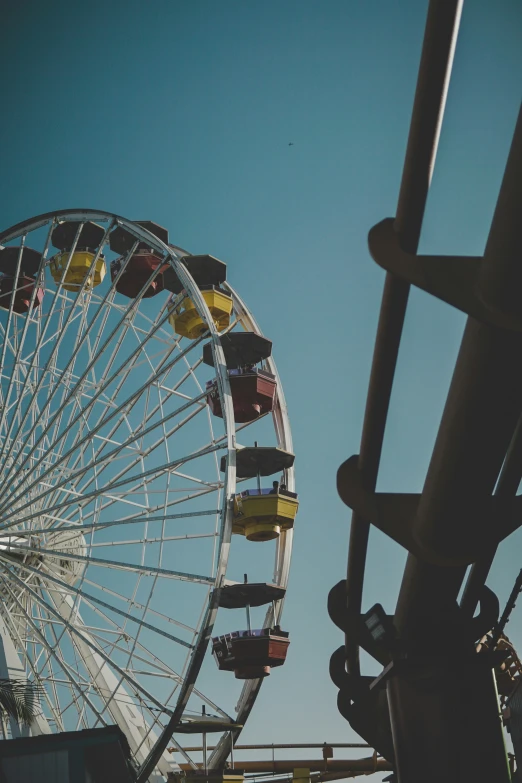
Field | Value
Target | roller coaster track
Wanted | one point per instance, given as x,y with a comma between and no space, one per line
435,698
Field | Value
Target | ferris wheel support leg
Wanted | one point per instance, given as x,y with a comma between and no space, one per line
122,708
11,668
446,722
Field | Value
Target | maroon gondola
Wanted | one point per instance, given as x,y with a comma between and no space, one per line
143,262
27,264
23,293
251,654
253,393
138,270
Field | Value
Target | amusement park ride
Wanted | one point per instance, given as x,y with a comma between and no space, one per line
433,710
113,439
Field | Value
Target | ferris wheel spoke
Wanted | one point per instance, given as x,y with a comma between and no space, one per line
117,565
25,330
135,640
146,453
52,464
52,678
214,443
130,444
131,399
93,526
56,298
88,597
65,388
74,632
99,461
151,474
111,499
23,650
142,517
68,394
138,489
129,403
51,364
60,436
138,605
119,631
49,648
153,540
116,630
125,322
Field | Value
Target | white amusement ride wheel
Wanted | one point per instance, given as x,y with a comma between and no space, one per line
119,510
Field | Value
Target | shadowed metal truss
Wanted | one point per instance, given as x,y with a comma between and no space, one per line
436,699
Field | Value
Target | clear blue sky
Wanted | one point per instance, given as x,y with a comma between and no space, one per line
181,112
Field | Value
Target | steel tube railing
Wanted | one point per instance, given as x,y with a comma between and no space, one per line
283,746
480,417
507,486
435,67
370,764
507,262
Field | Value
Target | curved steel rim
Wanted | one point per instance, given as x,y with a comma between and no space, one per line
283,555
228,418
284,440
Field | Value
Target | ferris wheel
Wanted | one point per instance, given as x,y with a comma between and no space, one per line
140,410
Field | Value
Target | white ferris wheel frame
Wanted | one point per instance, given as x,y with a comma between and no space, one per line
151,754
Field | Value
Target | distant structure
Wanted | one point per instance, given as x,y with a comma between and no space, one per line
94,755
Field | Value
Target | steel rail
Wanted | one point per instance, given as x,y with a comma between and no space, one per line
289,746
511,473
370,764
480,417
428,109
251,688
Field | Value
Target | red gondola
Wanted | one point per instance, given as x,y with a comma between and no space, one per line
27,265
137,271
251,654
253,393
23,293
142,263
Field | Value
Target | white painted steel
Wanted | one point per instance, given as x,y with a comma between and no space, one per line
283,556
64,466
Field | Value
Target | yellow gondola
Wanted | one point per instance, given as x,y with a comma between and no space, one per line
84,238
186,321
261,514
78,269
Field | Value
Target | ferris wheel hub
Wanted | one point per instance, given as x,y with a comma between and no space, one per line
26,548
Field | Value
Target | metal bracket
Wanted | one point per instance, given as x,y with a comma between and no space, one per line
450,278
354,626
394,514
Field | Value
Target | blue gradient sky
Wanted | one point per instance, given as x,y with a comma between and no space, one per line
181,112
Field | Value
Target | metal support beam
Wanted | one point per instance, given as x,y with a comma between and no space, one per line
448,714
442,701
479,420
440,35
367,765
